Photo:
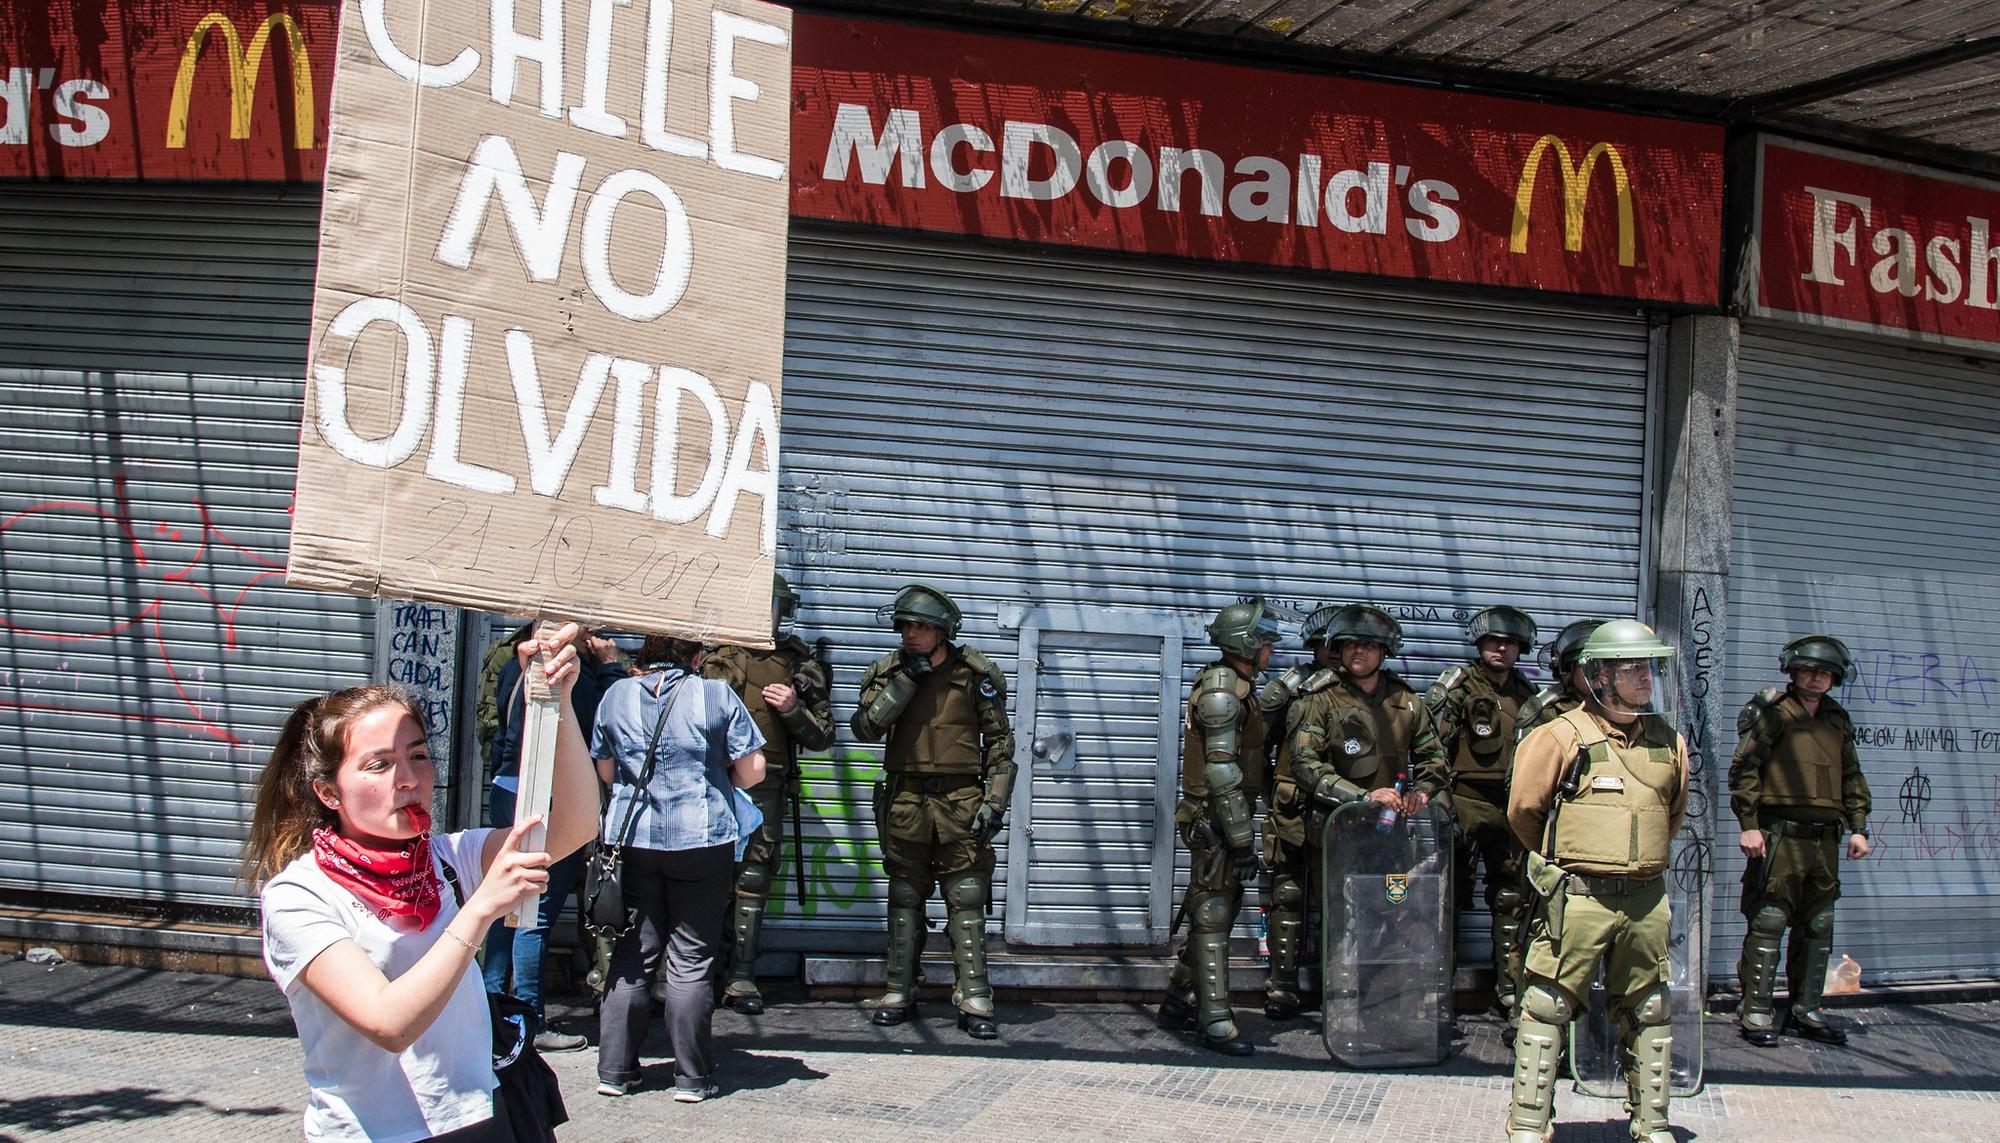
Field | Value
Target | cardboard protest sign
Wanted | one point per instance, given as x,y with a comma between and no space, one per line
548,324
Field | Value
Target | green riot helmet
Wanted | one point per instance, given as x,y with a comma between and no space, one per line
784,606
1560,655
1314,630
1358,621
1823,651
919,603
1629,669
1502,622
1241,629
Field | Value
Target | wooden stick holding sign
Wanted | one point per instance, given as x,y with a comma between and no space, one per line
538,760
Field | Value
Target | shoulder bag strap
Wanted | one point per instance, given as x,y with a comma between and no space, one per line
652,758
451,879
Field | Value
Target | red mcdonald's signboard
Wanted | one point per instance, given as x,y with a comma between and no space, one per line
934,130
166,89
904,126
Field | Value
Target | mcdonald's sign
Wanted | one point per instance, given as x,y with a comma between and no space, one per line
243,69
1063,143
1576,195
170,89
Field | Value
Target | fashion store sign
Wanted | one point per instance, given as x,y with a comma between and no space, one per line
1854,242
1048,142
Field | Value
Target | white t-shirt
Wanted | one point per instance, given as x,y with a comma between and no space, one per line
442,1082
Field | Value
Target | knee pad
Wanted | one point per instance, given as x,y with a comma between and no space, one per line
1509,899
1212,914
905,894
1653,1008
965,895
754,880
1545,1002
1820,924
1287,895
1769,920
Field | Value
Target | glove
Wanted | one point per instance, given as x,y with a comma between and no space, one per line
916,666
1244,862
987,821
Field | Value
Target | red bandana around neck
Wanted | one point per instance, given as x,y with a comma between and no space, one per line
400,885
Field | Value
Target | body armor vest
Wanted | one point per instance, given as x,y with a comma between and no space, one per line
1485,747
1804,769
938,733
1368,741
1618,823
748,672
1250,732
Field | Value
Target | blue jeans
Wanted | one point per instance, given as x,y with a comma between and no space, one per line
520,951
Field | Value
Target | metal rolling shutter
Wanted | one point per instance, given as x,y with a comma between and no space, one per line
1865,482
1040,429
152,342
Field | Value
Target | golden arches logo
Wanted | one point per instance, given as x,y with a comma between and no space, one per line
243,69
1576,195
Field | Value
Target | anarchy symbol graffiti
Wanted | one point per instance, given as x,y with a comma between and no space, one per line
1689,865
1915,795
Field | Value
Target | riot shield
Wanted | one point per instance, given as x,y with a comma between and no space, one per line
1385,952
1593,1038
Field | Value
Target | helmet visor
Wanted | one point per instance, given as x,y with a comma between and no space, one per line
1266,631
1635,686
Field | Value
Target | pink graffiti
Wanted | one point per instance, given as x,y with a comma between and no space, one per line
209,543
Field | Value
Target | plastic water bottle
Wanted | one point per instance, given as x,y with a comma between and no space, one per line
1844,977
1386,820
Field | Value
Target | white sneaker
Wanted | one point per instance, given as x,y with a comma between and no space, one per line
614,1090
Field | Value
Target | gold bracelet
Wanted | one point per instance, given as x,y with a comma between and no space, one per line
467,945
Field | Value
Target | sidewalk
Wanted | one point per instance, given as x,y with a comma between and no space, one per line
90,1053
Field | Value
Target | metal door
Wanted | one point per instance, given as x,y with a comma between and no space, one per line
1097,706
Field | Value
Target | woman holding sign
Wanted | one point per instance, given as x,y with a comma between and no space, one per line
371,922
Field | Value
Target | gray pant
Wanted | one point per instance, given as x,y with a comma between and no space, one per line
678,902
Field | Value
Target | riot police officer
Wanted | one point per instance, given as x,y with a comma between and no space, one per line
948,773
1567,692
1794,783
1597,797
1285,826
785,689
1360,733
1475,707
1221,776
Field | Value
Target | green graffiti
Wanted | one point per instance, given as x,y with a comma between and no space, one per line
841,873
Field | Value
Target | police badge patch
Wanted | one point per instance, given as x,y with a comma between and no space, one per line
987,690
1352,746
1396,887
1483,729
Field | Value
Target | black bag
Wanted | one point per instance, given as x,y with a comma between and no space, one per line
603,914
528,1087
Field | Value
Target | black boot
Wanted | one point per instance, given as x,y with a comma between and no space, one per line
1812,1030
1175,1015
1761,1037
978,1027
1234,1046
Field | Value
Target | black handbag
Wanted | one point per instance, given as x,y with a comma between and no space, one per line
604,915
528,1087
